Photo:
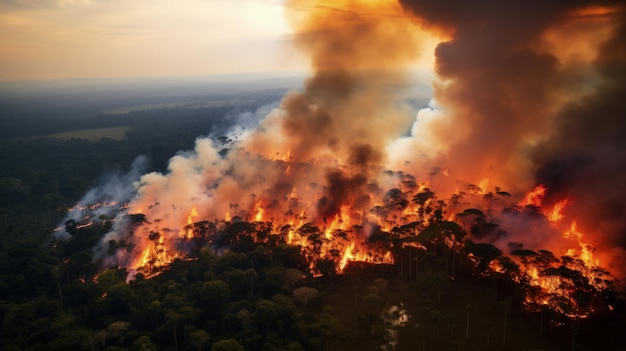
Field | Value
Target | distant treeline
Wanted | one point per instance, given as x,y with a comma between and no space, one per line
36,118
40,176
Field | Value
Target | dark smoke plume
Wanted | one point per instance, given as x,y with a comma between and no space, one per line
585,158
521,109
345,114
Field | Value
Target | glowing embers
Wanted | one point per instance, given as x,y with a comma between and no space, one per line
370,256
85,215
338,245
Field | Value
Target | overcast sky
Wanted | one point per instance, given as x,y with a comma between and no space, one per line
64,39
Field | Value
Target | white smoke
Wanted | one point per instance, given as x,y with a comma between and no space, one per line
106,198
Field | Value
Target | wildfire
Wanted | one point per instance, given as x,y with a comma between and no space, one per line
88,224
557,212
353,254
258,212
575,274
534,197
355,233
321,171
187,233
341,221
572,232
192,214
483,185
347,255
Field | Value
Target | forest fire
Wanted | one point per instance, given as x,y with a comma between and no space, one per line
345,171
563,284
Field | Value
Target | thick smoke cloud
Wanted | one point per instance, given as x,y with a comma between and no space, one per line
498,85
345,114
518,108
585,157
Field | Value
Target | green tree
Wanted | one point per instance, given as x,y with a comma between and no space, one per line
227,345
145,343
199,338
304,295
252,276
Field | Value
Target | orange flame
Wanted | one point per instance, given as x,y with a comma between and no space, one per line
534,197
557,212
187,233
192,214
484,183
258,212
341,221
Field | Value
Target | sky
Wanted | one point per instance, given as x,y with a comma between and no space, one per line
67,39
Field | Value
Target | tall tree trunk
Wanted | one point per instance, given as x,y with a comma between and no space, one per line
175,339
60,292
468,308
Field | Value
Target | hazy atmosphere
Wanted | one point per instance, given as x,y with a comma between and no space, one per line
47,39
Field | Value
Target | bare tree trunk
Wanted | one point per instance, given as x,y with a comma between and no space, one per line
175,339
60,292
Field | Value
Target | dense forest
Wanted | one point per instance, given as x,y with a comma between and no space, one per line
242,286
